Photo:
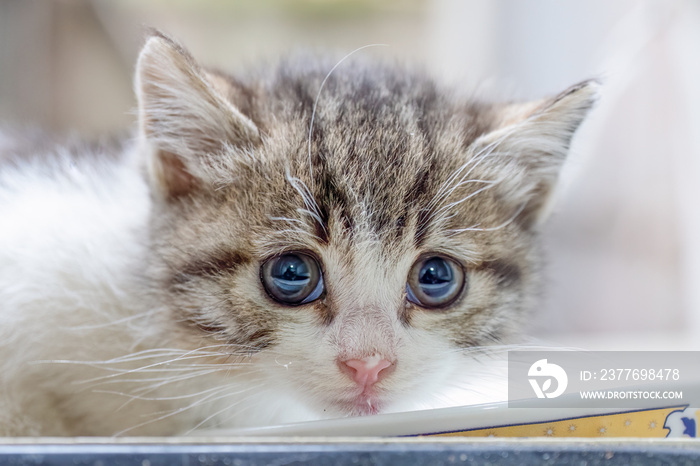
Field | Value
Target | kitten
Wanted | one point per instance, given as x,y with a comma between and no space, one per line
289,246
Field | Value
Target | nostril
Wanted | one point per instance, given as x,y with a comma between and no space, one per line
366,371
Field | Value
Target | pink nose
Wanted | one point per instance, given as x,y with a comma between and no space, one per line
365,371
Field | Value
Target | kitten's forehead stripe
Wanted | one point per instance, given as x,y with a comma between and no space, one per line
332,200
422,187
371,136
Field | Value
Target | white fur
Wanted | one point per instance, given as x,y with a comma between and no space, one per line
68,243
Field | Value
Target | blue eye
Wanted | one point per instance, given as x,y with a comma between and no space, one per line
434,282
292,278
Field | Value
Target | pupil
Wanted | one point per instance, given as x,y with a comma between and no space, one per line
290,273
435,271
292,268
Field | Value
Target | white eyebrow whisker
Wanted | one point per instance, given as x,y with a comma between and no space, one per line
459,178
502,225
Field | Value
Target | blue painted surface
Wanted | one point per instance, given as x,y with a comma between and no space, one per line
389,453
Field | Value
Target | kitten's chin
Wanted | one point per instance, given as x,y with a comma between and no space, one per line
361,403
365,405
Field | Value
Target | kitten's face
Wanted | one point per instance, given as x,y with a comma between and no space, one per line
353,262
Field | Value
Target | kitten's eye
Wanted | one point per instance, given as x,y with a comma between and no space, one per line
293,278
435,282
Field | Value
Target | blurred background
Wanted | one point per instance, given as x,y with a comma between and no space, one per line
624,242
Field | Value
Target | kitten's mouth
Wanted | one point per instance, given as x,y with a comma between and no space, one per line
364,404
364,407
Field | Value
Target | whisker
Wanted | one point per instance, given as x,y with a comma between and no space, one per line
469,196
158,398
460,176
247,406
111,323
189,374
502,225
312,208
207,399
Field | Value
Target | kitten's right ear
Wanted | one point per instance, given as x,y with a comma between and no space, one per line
528,145
183,117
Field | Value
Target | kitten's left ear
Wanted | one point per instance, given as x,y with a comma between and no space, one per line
527,148
184,116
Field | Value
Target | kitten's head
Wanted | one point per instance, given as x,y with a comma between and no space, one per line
352,235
